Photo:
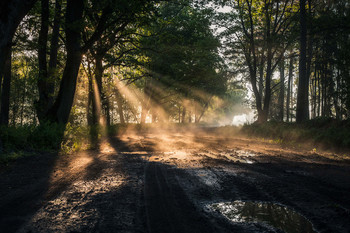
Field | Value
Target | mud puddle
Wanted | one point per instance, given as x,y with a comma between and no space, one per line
240,156
271,214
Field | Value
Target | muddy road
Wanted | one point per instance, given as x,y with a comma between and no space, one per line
178,182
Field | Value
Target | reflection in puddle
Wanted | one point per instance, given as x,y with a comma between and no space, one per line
134,152
275,215
240,156
244,153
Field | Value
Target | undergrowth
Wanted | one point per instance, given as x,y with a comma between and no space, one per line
325,132
21,141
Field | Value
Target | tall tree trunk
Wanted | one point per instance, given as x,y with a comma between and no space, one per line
258,98
261,80
267,97
154,116
98,95
269,70
319,94
5,95
107,112
309,54
337,103
121,113
183,116
143,114
92,116
47,73
290,83
24,94
303,92
60,110
54,38
281,94
315,93
324,90
42,104
89,110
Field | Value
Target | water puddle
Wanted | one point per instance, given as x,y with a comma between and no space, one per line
275,215
240,156
135,152
244,153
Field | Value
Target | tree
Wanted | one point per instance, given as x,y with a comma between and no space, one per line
47,70
281,92
11,14
107,14
259,33
183,62
303,86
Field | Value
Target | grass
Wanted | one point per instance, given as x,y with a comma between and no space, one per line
324,132
21,141
5,158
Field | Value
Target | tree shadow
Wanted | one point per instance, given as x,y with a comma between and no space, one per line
23,187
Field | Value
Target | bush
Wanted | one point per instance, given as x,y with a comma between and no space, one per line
46,137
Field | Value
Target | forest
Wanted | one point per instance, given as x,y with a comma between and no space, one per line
184,62
118,88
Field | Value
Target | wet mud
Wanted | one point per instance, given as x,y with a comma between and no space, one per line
178,182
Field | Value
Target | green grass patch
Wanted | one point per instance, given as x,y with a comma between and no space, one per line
20,141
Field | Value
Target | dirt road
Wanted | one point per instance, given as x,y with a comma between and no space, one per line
178,182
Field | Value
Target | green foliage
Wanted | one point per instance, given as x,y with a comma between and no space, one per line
5,158
74,138
21,140
325,132
184,54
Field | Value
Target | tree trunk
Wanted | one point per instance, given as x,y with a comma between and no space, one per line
90,104
60,111
337,103
54,38
92,116
290,83
121,113
257,95
319,94
281,94
47,74
5,95
154,116
42,104
269,70
303,92
183,116
267,97
98,95
24,94
309,55
261,80
262,116
143,115
314,94
107,111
